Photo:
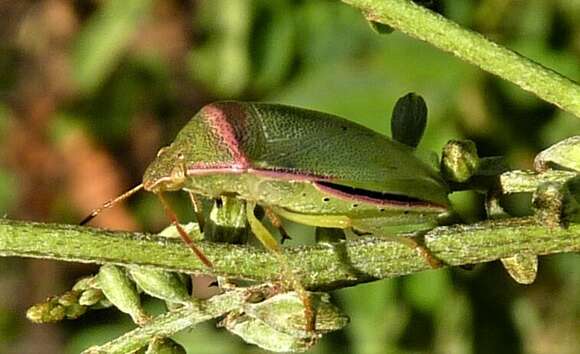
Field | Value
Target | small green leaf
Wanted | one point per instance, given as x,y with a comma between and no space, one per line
409,119
191,228
564,155
523,267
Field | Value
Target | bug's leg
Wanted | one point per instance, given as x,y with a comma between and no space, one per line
272,245
351,234
182,233
404,240
344,222
198,210
418,247
277,223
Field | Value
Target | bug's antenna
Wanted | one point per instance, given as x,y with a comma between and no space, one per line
111,202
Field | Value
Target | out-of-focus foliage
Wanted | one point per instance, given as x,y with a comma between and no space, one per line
90,91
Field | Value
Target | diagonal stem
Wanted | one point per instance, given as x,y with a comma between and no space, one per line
424,24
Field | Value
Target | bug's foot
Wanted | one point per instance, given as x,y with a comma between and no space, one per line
285,236
428,256
416,243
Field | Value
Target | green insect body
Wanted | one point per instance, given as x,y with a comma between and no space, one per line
309,167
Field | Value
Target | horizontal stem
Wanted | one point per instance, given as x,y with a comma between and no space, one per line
321,267
424,24
527,181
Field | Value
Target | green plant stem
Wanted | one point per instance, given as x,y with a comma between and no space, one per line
172,322
424,24
321,267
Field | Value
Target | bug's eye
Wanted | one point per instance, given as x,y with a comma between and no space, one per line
181,156
161,151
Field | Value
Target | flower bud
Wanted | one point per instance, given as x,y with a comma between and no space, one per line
409,119
459,161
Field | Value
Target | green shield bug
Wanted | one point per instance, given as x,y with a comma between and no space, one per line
305,166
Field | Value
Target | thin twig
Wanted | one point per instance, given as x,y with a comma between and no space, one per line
172,322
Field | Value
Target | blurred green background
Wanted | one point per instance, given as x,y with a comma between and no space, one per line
90,90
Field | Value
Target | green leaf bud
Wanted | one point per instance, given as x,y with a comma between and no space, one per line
285,313
69,298
75,311
85,283
103,304
160,284
255,331
47,312
90,297
120,290
459,161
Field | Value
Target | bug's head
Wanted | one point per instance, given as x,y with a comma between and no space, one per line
167,172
